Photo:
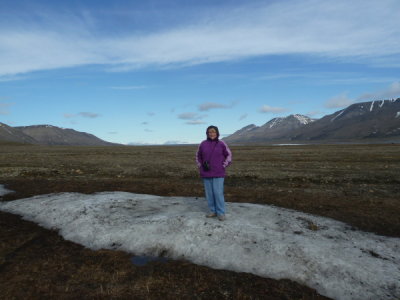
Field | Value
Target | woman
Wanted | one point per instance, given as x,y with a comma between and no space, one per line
212,157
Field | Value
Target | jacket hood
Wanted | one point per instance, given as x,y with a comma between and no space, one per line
212,127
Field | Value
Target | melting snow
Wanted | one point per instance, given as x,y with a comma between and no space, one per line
265,240
303,120
275,122
338,115
372,106
4,191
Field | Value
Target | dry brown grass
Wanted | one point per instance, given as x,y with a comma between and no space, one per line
358,184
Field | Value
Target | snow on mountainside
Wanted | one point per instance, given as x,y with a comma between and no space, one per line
273,129
377,120
303,119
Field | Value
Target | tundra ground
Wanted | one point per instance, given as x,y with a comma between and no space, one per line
356,184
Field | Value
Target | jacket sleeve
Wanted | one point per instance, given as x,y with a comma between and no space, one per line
199,158
227,154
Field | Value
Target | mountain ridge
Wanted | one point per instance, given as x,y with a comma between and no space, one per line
273,129
374,121
49,135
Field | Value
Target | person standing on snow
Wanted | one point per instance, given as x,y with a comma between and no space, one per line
212,157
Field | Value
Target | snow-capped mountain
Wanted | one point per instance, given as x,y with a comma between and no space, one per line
366,121
48,135
273,129
362,121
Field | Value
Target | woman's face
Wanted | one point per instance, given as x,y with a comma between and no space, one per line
212,134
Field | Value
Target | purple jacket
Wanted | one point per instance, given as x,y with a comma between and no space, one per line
218,155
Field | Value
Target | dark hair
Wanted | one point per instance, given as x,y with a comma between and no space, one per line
212,127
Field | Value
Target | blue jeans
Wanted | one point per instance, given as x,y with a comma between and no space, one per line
214,188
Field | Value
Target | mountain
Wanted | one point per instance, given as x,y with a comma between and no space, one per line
11,134
276,128
372,121
49,135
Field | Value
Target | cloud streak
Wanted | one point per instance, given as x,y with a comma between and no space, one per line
342,100
195,122
193,118
339,101
133,87
242,117
393,91
333,30
88,115
212,105
4,108
271,109
188,116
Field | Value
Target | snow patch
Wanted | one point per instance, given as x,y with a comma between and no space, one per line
398,114
265,240
303,120
275,122
4,191
372,106
340,113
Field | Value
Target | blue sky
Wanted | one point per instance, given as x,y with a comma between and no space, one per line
162,71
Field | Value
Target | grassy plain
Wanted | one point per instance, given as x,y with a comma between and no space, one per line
357,184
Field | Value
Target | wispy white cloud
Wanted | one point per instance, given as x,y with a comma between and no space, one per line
342,100
358,30
318,77
242,117
212,105
393,91
89,115
6,78
4,108
188,116
69,116
339,101
315,113
195,122
133,87
191,116
271,109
